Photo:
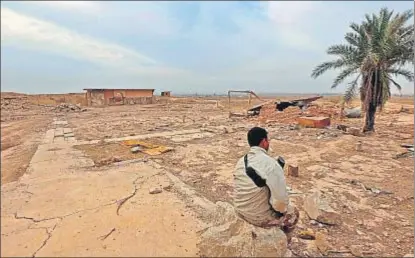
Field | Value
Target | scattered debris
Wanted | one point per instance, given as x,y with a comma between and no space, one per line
314,122
107,161
136,149
226,130
300,103
251,111
369,188
404,155
325,134
292,170
339,251
307,234
406,110
408,153
155,190
352,112
67,107
342,127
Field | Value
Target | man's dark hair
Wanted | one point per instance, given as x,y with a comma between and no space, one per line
255,136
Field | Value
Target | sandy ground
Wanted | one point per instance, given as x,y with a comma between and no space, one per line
19,141
207,144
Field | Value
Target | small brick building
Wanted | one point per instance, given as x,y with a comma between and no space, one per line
101,97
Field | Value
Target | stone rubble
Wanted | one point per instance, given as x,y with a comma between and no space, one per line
233,237
67,107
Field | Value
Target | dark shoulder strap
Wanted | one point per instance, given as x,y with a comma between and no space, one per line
257,179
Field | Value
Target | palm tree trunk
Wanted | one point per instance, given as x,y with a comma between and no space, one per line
370,117
371,102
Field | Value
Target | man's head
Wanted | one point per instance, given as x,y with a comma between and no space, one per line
258,136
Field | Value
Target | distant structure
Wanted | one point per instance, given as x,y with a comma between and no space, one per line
166,93
102,97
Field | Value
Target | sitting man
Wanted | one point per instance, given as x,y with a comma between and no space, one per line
260,193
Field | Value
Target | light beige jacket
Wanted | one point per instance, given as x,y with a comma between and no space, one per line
254,203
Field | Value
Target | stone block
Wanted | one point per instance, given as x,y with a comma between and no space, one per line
231,236
292,170
314,122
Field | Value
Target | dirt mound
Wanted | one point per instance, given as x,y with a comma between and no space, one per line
291,114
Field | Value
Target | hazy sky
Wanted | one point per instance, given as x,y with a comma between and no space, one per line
187,47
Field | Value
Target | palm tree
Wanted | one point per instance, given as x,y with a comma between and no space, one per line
377,50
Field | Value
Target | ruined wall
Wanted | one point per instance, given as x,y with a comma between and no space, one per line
96,98
139,100
119,97
54,99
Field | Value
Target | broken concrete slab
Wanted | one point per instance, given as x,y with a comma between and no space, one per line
58,196
49,135
314,122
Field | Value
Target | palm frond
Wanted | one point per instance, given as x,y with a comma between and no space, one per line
397,85
351,90
408,75
343,75
322,68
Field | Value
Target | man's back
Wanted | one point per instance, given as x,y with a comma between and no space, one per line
253,202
